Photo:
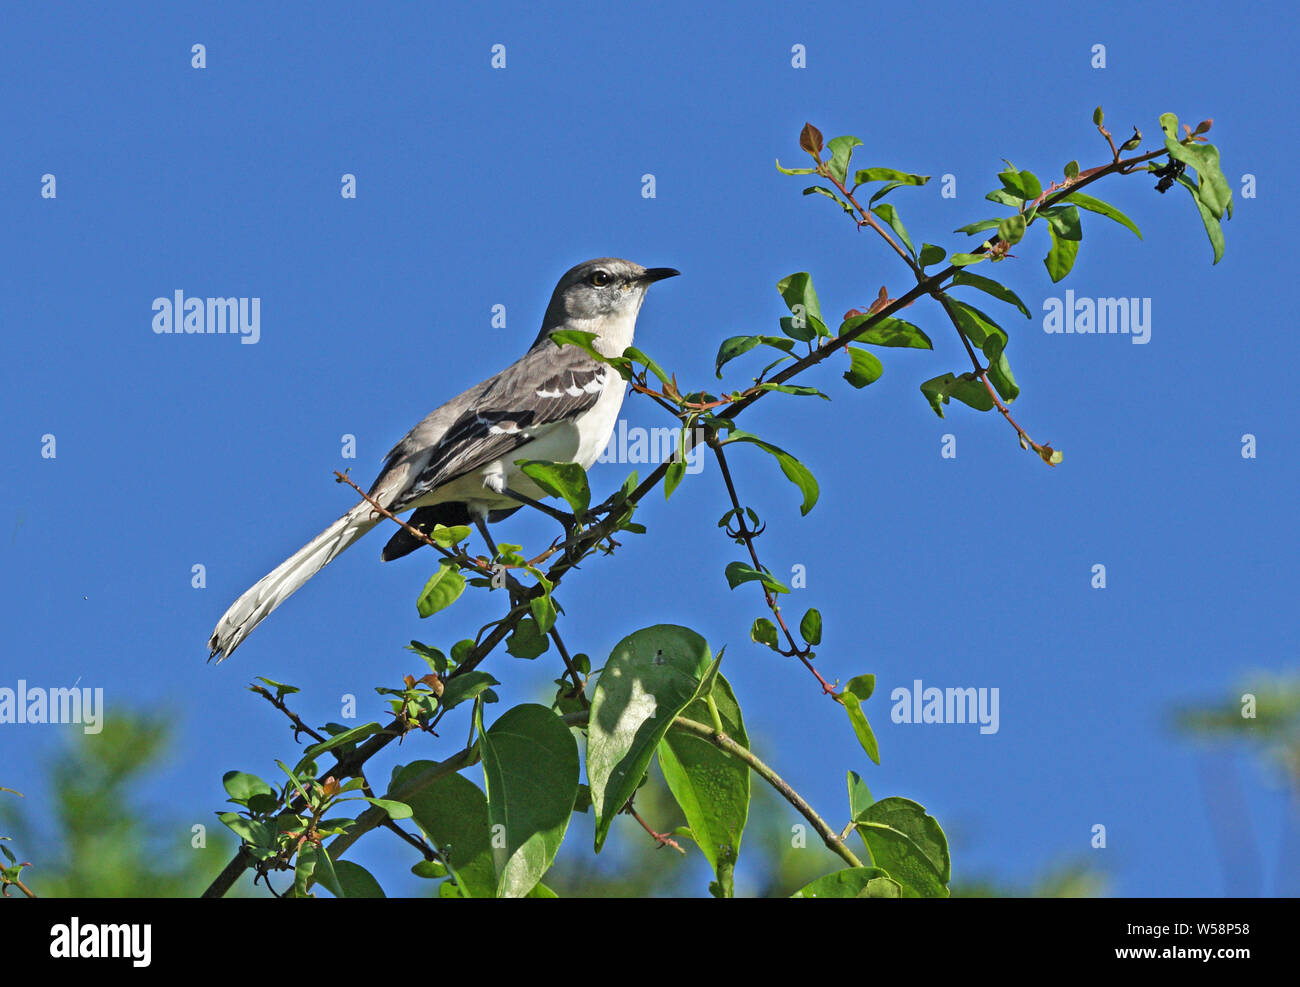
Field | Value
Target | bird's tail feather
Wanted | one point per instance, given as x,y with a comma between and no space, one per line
286,578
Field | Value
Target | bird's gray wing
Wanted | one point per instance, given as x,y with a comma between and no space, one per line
549,385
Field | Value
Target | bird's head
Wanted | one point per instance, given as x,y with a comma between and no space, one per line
602,296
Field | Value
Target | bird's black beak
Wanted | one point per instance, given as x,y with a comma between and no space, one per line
654,274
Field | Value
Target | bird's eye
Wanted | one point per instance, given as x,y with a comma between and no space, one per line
601,278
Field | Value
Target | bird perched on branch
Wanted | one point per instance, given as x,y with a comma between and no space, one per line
555,403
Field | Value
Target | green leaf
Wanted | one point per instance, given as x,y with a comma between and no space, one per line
822,190
355,881
637,356
861,686
465,686
887,331
434,658
865,175
974,323
736,345
526,641
1001,378
543,611
841,149
992,338
852,882
442,590
298,783
1060,258
883,191
764,632
980,227
1064,221
1012,229
1022,184
999,371
251,831
890,215
857,691
1072,169
799,389
739,572
281,690
802,329
453,814
864,367
1103,209
1004,197
567,480
938,390
859,795
1097,116
795,471
995,288
930,254
585,342
304,871
1212,227
811,627
447,537
711,674
339,739
909,844
241,787
965,260
801,299
651,676
676,470
530,771
1212,189
711,786
429,869
793,171
396,810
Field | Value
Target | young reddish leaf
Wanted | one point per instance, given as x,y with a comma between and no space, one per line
810,139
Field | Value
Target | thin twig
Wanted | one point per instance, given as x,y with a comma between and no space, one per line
663,839
299,727
747,535
578,683
723,742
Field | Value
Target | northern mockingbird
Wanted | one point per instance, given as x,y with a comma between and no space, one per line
554,403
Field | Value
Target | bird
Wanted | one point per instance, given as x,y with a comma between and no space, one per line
460,463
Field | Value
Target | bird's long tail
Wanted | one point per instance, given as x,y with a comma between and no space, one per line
285,579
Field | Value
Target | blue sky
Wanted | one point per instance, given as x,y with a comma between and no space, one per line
478,187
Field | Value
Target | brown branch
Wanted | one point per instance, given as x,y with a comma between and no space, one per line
869,219
663,839
579,689
299,727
